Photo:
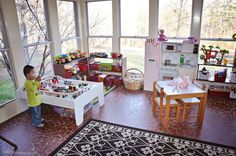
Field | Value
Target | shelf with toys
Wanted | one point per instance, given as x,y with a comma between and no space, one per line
71,65
107,69
217,71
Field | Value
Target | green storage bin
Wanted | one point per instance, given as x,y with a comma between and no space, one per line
106,66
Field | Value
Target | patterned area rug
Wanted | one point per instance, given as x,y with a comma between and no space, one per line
106,139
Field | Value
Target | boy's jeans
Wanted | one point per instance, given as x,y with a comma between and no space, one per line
36,115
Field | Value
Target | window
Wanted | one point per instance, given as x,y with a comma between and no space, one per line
67,26
218,24
33,29
100,44
218,19
133,49
7,86
100,26
134,17
175,17
134,30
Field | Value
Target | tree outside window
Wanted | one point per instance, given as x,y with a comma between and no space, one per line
7,86
32,21
175,17
67,26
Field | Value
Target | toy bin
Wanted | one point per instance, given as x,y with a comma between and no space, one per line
94,77
233,77
94,66
117,68
203,76
83,67
109,80
105,66
118,81
220,75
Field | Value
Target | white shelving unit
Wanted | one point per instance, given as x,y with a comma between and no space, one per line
174,69
122,60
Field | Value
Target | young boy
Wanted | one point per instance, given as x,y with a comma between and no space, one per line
32,84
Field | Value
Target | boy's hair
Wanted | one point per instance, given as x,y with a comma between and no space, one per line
27,69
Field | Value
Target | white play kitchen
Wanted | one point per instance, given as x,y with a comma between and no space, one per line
67,93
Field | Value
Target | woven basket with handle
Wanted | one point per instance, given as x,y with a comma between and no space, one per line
133,80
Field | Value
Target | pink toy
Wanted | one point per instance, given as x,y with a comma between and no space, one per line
161,36
180,83
185,83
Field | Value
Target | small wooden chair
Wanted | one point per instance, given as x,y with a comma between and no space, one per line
159,100
189,102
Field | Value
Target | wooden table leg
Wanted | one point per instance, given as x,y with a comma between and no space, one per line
167,114
201,109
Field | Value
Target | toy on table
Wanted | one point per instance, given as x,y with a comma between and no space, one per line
161,36
180,83
55,80
62,88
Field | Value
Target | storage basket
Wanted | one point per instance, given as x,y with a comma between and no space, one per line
133,81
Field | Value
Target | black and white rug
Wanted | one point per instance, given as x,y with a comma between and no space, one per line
98,138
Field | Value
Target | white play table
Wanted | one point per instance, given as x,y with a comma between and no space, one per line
78,104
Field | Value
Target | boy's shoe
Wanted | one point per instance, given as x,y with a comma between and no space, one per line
40,125
43,121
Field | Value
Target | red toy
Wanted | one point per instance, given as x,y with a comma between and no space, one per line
116,55
94,66
220,75
83,67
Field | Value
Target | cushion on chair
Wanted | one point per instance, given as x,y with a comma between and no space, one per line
191,100
172,102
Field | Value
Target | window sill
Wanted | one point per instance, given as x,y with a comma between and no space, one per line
5,103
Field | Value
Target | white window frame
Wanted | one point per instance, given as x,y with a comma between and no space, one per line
87,24
77,25
6,49
127,36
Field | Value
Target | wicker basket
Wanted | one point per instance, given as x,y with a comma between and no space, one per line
133,81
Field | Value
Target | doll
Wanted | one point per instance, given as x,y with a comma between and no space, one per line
161,36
